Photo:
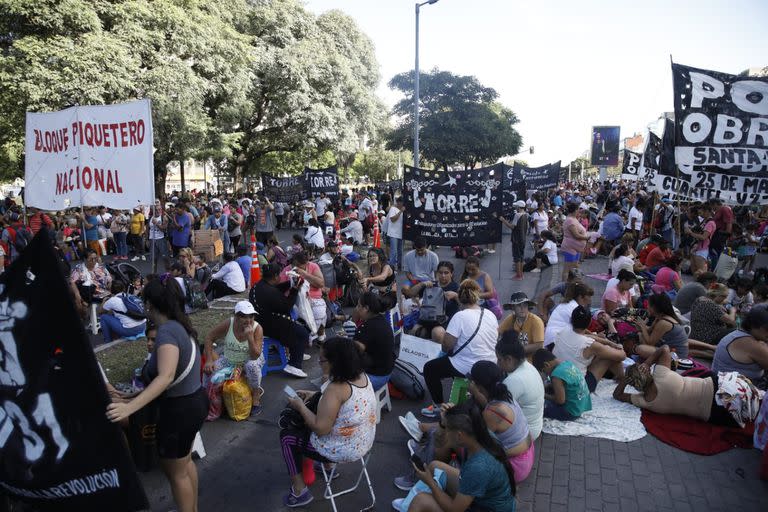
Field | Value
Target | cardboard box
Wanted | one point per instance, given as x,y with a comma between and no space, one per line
205,237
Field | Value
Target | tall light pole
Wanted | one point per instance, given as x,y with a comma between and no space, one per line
416,89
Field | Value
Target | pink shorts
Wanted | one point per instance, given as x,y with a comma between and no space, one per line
522,464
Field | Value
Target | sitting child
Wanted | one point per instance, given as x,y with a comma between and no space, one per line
568,397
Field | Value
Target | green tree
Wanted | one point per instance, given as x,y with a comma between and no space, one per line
460,120
377,163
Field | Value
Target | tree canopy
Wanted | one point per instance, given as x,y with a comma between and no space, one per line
234,80
460,120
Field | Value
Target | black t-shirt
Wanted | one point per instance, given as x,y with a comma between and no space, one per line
376,334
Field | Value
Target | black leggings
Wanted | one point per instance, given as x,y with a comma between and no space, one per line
434,372
218,289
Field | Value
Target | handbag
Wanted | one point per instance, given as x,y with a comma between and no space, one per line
291,419
479,323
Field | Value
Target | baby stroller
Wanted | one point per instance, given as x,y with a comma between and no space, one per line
126,273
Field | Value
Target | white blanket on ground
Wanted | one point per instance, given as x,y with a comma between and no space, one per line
608,419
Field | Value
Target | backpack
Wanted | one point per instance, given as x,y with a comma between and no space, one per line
20,236
352,293
329,274
467,251
406,378
133,306
195,296
343,271
281,258
232,224
432,305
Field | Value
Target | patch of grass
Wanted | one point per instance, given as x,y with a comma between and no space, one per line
120,361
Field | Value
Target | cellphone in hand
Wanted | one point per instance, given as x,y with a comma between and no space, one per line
417,462
288,390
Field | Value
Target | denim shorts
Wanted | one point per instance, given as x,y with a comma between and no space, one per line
570,258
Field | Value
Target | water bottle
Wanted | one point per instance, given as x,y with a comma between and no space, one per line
454,461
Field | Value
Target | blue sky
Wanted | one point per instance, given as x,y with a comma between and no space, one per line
564,66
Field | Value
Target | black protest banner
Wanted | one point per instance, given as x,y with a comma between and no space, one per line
721,137
649,165
393,184
631,166
513,187
319,181
541,178
283,190
58,450
453,208
667,159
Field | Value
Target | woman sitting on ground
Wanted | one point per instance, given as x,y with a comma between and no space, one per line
620,295
243,347
711,319
523,381
275,253
488,297
664,391
485,481
545,256
668,278
374,338
623,259
381,277
470,337
344,426
744,350
666,328
229,280
187,260
503,415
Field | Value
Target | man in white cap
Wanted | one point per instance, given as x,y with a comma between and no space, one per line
243,342
519,227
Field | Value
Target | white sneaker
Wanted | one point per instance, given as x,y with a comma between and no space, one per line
490,251
307,357
412,446
135,258
397,504
143,258
535,271
292,370
411,425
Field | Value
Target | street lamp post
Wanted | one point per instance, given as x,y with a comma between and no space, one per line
416,89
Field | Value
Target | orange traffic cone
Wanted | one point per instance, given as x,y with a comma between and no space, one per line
376,234
255,269
337,230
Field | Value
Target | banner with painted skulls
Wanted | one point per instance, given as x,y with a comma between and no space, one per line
453,208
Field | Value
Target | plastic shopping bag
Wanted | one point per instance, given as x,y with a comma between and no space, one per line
237,397
305,308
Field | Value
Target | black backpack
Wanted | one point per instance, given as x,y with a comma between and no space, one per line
432,307
343,271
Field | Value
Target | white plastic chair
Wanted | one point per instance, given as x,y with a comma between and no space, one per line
382,400
328,476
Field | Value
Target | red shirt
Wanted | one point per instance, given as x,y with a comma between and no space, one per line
657,256
37,220
723,217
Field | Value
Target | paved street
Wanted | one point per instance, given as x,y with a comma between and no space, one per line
244,469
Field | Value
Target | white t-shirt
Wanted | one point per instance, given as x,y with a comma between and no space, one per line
636,214
155,233
115,305
315,237
622,262
527,389
483,345
558,320
354,230
232,276
364,208
540,221
570,345
395,226
552,251
321,203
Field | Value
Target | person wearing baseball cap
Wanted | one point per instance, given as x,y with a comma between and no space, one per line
528,326
519,227
243,341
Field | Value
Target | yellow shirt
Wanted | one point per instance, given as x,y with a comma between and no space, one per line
137,223
532,330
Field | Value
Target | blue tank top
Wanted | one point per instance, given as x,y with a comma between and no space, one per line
517,431
723,362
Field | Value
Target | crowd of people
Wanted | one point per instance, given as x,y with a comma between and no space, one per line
524,360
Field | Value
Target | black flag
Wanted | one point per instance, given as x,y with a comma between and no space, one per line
57,448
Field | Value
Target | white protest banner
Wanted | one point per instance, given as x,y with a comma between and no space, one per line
90,156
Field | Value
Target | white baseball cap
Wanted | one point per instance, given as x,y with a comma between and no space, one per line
244,308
